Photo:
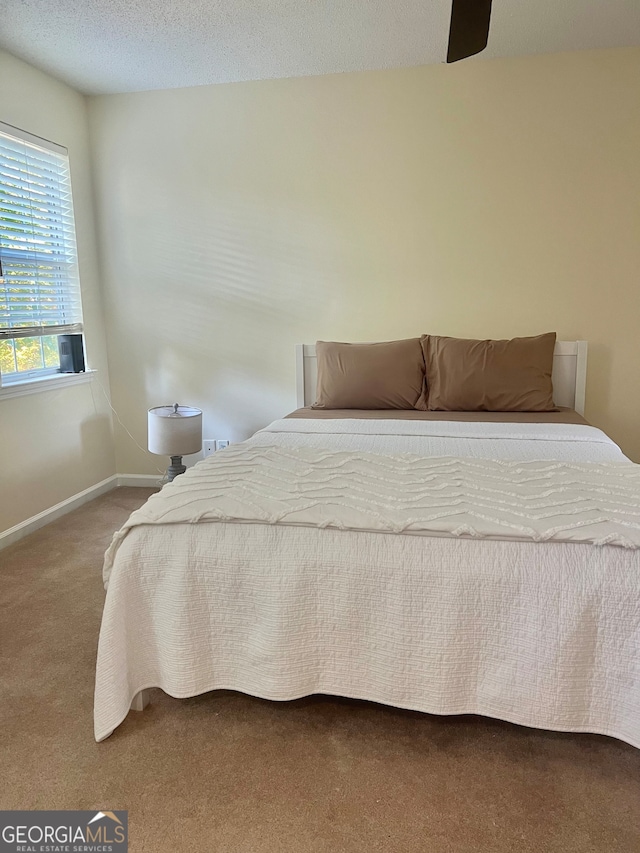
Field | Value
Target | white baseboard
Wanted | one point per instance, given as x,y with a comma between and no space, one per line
13,534
30,525
148,481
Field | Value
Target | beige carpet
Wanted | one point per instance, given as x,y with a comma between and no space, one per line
228,773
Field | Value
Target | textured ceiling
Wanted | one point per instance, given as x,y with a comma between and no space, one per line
102,46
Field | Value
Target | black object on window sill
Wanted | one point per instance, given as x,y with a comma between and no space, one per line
71,350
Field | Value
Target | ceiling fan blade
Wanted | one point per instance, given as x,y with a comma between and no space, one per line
469,31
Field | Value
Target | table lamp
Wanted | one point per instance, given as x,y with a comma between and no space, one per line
175,431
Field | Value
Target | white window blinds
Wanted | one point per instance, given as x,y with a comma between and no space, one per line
39,283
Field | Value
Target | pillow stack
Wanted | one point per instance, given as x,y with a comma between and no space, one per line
441,374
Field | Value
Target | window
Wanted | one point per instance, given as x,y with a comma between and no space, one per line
39,283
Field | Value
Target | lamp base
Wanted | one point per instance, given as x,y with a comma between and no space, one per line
175,468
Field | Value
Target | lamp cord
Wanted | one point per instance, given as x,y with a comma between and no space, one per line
135,441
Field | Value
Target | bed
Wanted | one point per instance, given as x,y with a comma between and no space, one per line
311,559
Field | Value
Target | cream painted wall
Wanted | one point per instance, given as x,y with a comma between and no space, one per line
54,444
485,199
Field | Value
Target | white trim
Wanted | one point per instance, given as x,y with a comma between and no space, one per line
147,481
569,374
51,382
30,525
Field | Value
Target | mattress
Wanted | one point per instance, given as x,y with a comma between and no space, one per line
545,634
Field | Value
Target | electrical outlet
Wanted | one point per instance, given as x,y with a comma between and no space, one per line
208,446
221,443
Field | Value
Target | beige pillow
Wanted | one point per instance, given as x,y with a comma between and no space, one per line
489,376
388,375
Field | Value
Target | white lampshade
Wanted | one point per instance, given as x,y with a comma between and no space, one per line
175,430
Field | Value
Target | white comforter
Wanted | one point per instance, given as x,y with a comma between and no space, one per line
542,633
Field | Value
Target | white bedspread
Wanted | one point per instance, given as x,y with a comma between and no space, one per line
519,442
542,633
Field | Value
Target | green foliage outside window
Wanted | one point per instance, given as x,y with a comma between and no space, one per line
7,363
24,354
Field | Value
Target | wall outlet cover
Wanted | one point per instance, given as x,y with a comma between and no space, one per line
222,443
208,446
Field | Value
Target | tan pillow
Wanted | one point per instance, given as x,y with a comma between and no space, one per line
387,375
489,376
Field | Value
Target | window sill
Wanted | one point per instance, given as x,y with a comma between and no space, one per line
45,383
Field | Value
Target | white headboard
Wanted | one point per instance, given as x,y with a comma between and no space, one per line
569,374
